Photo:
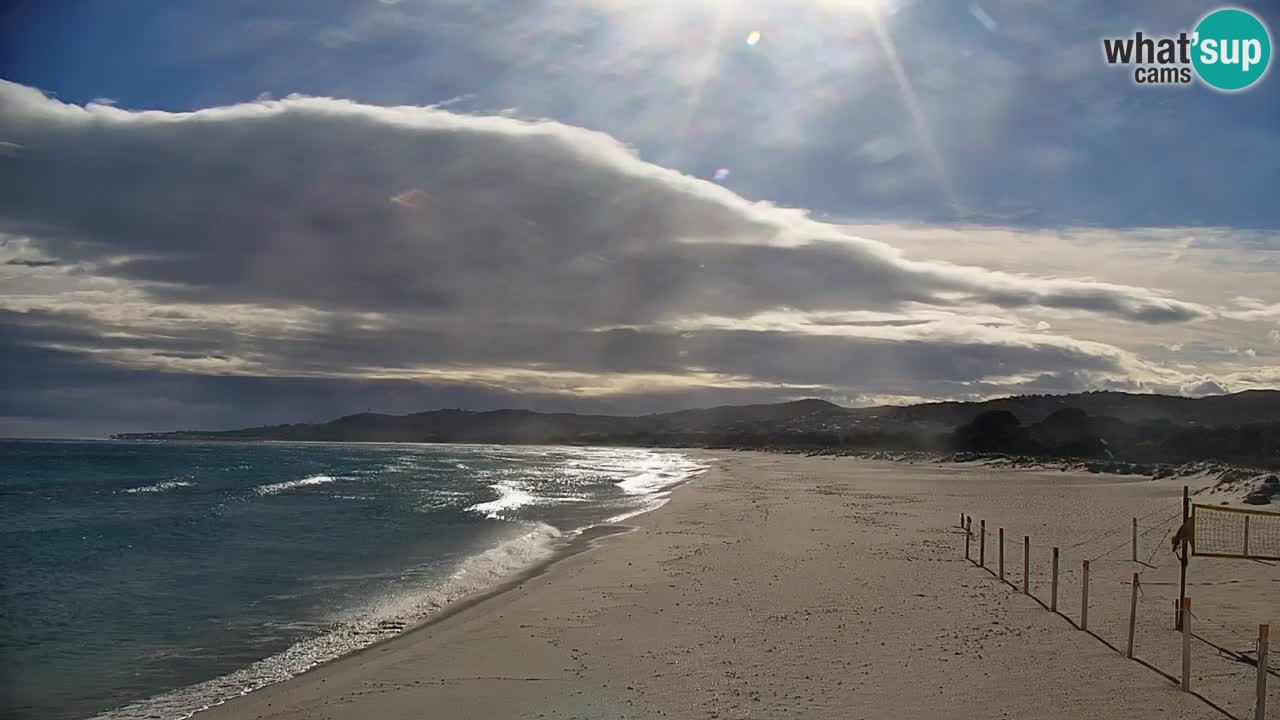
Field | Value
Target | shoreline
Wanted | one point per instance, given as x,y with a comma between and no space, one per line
568,544
586,540
786,586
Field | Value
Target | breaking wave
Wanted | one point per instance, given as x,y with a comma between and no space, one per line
160,487
273,488
511,496
386,618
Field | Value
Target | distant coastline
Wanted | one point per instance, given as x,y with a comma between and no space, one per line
1104,427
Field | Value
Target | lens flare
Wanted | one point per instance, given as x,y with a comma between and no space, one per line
753,38
914,109
705,66
722,174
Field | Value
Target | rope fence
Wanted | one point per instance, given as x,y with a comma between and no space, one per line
1222,529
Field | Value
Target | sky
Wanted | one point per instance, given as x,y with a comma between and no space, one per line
231,213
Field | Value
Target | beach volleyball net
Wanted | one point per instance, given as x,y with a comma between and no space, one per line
1235,533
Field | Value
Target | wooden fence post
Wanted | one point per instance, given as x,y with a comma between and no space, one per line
982,548
1001,554
961,519
1246,535
1133,614
1186,644
1135,539
967,537
1053,597
1184,557
1084,598
1026,564
1260,706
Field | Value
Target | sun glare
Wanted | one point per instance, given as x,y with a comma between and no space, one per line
878,7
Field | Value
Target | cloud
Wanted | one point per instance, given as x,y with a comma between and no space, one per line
326,244
1030,125
942,358
1203,388
333,204
1248,308
90,377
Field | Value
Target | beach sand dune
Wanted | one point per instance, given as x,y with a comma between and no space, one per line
779,586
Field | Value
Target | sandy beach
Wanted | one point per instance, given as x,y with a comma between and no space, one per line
786,586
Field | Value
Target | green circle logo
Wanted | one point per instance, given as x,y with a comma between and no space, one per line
1231,49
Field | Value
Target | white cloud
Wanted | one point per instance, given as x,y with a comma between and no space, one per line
567,211
1248,308
1204,387
312,237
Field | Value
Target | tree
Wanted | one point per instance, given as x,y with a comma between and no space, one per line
992,431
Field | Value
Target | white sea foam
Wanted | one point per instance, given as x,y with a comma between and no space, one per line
641,474
160,487
658,473
648,483
512,495
476,573
386,618
649,505
273,488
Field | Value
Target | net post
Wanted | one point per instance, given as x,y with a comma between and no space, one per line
1026,564
1084,598
1133,615
1001,553
1260,705
1186,644
1053,596
982,546
1246,535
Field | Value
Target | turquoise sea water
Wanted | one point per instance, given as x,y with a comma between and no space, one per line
149,580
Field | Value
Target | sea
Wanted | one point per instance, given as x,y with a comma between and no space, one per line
155,579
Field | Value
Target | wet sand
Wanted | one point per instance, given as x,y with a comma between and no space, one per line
784,586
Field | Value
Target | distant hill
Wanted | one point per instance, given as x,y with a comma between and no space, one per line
1219,410
1145,428
526,427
